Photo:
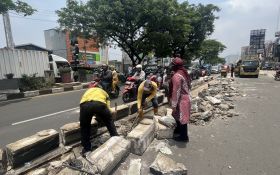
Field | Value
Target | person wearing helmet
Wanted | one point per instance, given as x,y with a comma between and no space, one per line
95,102
147,92
139,74
106,77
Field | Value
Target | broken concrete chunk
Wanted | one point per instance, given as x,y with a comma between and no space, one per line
3,162
205,115
163,131
141,137
224,107
164,165
213,100
40,171
168,112
29,148
108,155
134,167
168,121
163,148
68,171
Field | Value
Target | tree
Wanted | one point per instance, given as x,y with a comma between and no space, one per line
17,6
139,27
209,52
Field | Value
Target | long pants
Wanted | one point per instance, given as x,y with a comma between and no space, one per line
102,113
154,100
182,130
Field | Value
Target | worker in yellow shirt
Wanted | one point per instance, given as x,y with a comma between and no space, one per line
115,78
147,92
95,102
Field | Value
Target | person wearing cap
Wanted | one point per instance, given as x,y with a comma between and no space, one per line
139,74
180,99
147,92
106,77
95,102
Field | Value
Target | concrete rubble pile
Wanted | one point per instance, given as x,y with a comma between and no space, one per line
214,102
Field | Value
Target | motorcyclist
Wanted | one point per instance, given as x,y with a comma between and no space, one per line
115,79
139,74
106,77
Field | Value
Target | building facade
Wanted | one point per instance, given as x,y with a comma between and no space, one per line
257,39
90,53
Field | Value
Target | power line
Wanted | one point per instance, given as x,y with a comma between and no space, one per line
34,19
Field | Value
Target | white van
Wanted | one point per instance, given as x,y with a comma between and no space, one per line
56,62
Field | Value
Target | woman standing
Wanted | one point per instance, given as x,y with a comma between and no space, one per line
180,99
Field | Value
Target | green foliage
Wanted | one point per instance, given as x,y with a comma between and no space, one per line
17,6
209,52
139,27
9,76
29,83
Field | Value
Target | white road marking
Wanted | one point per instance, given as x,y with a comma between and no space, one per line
44,116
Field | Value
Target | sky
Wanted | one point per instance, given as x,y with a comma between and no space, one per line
236,19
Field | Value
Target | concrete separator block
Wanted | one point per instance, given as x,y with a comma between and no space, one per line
78,87
132,107
109,155
142,136
15,96
68,88
3,97
3,162
71,132
45,91
122,111
160,98
29,148
31,93
162,131
85,85
57,90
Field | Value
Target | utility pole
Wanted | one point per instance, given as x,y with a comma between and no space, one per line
8,31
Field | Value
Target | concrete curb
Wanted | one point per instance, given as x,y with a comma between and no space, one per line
27,149
27,94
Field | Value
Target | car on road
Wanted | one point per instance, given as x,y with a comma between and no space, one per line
249,68
194,72
216,69
267,66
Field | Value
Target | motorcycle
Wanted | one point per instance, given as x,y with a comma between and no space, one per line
277,75
112,94
130,90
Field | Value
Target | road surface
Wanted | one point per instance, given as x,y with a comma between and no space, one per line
244,145
24,117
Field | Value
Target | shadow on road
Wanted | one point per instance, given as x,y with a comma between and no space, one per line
4,103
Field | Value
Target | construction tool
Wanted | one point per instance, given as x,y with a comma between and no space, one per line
115,113
137,119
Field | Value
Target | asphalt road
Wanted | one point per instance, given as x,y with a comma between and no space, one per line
25,117
244,145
